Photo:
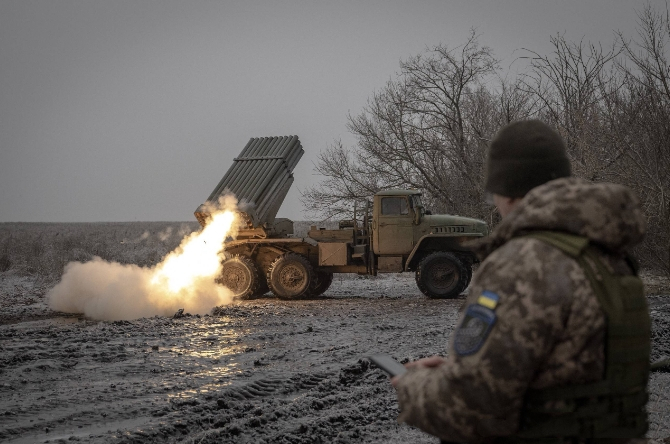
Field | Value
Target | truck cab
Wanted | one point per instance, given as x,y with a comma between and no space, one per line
403,232
394,226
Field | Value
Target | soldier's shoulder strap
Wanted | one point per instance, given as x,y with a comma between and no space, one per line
570,244
574,245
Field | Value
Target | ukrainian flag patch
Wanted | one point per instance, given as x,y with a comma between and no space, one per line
488,299
476,325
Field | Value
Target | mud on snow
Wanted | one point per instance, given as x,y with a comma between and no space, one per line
259,371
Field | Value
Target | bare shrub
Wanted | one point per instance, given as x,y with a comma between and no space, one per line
44,249
5,263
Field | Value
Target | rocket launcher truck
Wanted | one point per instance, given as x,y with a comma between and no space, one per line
395,234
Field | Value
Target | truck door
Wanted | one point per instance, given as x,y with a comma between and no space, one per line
393,232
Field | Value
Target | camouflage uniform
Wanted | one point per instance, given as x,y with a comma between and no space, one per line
549,329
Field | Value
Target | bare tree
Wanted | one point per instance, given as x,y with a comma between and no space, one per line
647,163
572,85
427,129
347,180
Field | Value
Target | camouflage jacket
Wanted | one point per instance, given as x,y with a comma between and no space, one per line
549,329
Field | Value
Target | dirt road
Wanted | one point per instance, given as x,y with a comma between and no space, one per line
258,371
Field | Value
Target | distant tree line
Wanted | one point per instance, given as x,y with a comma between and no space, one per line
430,126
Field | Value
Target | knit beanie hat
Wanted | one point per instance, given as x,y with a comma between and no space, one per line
523,155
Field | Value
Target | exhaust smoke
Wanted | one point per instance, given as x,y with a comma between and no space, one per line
183,279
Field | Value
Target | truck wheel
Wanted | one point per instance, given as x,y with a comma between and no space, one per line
468,275
291,276
241,276
468,263
441,275
323,281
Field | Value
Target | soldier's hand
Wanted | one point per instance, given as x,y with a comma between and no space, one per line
432,361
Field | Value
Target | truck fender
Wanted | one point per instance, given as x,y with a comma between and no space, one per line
426,238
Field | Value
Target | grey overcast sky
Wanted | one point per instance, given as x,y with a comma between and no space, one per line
132,110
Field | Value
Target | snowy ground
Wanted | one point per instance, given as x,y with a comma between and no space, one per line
264,370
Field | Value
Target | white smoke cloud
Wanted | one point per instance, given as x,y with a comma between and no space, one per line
184,279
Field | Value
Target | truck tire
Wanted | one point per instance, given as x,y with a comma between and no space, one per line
468,274
323,281
241,276
441,275
291,276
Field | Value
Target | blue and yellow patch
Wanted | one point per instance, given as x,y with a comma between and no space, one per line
488,299
476,325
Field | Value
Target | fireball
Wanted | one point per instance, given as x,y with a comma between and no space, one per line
198,256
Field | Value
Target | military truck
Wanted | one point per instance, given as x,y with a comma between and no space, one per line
393,233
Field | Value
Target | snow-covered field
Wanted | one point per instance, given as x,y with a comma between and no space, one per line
263,370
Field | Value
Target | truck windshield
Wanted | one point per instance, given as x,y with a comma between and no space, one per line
416,201
393,206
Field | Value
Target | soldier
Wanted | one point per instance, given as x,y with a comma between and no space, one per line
555,337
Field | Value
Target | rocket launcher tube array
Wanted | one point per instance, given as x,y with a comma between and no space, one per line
260,177
253,171
219,187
